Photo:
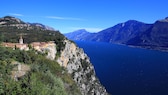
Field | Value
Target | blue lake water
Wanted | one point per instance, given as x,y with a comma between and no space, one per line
128,71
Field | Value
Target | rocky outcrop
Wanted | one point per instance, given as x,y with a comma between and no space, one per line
46,47
51,51
82,71
66,54
19,70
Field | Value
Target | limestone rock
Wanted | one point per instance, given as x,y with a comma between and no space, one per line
81,69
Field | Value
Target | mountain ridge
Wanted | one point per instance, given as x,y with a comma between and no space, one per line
134,33
12,21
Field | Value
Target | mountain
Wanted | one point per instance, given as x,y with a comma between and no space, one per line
8,20
32,72
12,21
81,34
155,37
11,28
122,32
119,33
42,26
135,33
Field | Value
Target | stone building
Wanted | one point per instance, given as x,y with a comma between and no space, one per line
44,47
19,45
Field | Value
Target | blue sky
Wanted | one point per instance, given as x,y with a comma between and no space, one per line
93,15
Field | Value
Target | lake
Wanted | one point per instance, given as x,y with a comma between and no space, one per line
126,70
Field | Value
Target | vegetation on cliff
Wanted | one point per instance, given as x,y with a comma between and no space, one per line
45,77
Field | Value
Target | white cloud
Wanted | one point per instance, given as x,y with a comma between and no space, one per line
89,29
63,18
15,14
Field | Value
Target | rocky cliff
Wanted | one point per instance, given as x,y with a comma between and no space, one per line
66,53
81,69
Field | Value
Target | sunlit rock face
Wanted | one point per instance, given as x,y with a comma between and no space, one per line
82,71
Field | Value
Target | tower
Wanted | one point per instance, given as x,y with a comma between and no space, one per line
21,40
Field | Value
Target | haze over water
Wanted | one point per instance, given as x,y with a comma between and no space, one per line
128,71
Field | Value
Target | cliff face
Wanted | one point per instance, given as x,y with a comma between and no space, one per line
82,71
49,47
39,37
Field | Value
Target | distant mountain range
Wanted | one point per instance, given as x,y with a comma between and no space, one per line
132,32
81,34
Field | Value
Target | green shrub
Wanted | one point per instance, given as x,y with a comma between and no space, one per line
45,77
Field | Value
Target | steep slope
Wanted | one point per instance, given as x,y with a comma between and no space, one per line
69,73
153,38
159,33
122,32
31,73
82,71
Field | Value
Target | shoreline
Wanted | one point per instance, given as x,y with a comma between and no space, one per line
161,49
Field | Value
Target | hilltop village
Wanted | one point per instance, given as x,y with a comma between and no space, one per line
48,47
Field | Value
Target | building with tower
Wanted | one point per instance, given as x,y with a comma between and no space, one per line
21,40
19,45
39,46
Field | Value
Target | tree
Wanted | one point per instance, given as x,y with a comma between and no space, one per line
1,85
1,37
